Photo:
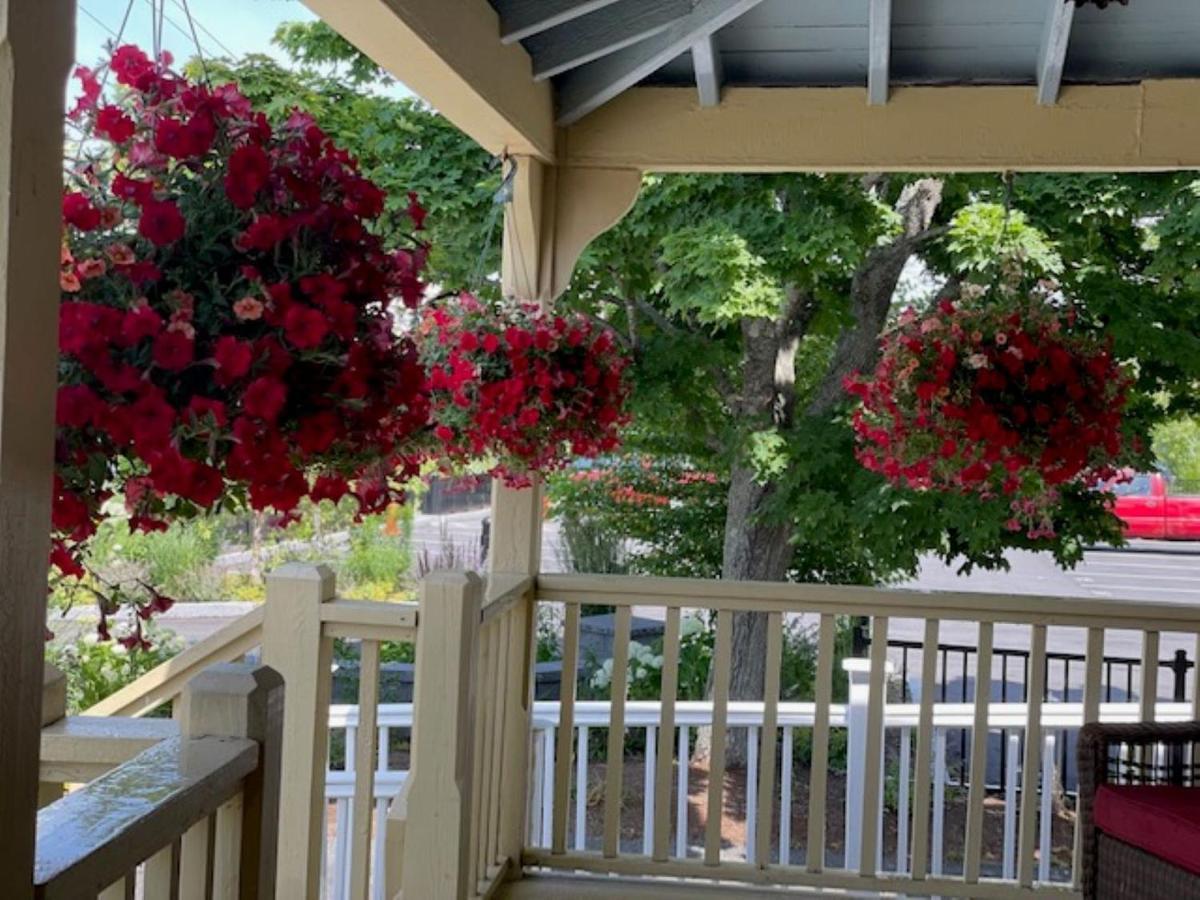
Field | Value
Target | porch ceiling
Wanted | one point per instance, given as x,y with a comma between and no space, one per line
801,84
593,50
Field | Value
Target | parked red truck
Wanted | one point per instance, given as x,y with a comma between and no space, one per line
1150,509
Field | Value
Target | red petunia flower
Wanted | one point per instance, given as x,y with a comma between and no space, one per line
161,222
77,210
233,359
138,324
135,189
305,327
173,351
114,124
264,398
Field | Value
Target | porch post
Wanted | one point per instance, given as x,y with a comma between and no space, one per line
516,523
295,646
36,48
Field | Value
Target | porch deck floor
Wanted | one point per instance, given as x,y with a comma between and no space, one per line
591,887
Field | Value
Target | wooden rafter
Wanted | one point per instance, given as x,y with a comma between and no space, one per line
520,19
584,89
879,43
1052,54
448,54
590,37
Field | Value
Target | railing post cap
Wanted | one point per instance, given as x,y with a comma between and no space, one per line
453,578
299,579
234,679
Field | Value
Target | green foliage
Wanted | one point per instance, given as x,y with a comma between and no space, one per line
984,232
379,558
672,515
1177,445
96,669
587,545
701,257
174,561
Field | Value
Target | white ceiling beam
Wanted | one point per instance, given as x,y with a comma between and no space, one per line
584,89
588,38
706,60
520,19
1052,54
879,43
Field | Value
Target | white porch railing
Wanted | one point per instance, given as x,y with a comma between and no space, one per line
644,718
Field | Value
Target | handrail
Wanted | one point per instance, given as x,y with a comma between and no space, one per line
167,681
356,619
502,592
763,596
87,840
77,749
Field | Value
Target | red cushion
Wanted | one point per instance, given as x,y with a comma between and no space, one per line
1163,820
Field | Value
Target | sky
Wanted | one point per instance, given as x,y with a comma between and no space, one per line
224,27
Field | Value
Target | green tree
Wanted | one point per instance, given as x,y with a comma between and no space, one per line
746,299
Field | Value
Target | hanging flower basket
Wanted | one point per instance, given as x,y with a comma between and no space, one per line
1002,396
523,387
225,334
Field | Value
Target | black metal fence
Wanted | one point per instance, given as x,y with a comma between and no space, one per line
956,684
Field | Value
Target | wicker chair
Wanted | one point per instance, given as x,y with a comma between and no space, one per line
1145,754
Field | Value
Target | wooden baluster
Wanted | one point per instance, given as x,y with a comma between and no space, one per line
498,694
666,734
478,738
365,754
973,852
294,645
872,780
227,848
615,764
902,800
118,890
518,712
921,775
194,871
766,779
160,875
566,728
1035,688
581,789
1143,757
820,746
487,675
1092,669
437,862
716,768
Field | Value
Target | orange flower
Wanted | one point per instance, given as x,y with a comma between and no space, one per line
68,281
248,309
91,268
120,254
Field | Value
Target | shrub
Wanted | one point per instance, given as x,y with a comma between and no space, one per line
95,669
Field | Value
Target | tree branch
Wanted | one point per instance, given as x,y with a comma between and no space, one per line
872,289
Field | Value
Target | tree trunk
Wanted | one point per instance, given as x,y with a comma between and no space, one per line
757,548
